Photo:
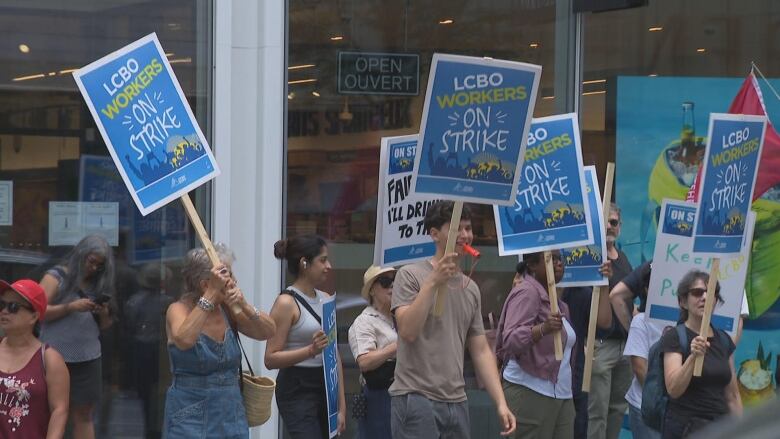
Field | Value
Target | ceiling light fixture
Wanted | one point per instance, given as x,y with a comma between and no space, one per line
655,29
315,94
533,45
546,98
301,66
447,21
337,38
600,92
290,95
653,75
301,81
180,61
24,48
29,77
701,50
66,71
594,81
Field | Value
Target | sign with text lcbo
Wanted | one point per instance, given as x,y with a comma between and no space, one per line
146,123
330,363
729,175
673,259
474,128
379,73
550,207
584,261
400,235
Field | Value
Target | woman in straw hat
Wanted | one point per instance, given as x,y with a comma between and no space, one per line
34,381
372,338
204,399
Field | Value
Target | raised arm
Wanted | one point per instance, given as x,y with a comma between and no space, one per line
411,318
251,322
678,374
185,325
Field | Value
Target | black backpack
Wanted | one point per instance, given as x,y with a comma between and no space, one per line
654,394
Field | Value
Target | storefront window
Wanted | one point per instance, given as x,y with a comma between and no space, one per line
335,124
58,183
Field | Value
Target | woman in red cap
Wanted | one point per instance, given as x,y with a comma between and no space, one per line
34,381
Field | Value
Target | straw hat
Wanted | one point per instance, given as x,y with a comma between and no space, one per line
371,274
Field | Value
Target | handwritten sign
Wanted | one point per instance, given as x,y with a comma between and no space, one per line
583,262
474,128
550,206
729,175
401,237
330,363
673,258
149,129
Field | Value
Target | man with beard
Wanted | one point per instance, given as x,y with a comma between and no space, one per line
612,374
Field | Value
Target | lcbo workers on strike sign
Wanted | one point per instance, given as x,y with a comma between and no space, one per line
147,125
474,127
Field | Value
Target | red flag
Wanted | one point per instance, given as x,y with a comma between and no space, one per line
749,101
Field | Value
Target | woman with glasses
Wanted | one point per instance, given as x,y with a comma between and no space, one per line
79,291
33,378
372,338
695,402
538,387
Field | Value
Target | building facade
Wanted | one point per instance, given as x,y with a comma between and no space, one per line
277,89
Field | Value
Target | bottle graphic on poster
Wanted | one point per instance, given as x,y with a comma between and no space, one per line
687,151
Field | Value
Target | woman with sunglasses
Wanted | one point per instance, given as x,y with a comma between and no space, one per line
372,339
694,402
296,348
79,291
34,380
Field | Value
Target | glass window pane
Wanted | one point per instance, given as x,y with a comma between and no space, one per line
53,153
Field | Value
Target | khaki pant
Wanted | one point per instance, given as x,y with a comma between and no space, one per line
609,383
539,416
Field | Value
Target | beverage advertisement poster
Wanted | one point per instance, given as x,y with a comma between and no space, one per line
661,127
401,237
474,128
550,206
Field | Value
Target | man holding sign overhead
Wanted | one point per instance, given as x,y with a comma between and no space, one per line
428,394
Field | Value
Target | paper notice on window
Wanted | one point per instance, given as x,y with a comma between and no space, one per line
70,221
6,203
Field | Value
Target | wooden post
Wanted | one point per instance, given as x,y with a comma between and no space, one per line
204,237
452,239
596,294
709,304
553,293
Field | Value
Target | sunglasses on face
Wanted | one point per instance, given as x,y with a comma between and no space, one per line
697,292
614,222
385,282
13,307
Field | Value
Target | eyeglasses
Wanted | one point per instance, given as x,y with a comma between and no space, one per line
13,307
697,292
614,222
385,282
96,263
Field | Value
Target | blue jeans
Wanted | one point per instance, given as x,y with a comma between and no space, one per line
638,428
376,424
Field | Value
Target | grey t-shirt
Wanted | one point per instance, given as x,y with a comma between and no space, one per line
433,364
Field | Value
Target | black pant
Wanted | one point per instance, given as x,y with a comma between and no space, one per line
300,395
676,427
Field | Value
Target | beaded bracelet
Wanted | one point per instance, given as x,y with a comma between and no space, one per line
205,304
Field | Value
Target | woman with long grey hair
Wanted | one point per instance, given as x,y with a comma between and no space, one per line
204,399
79,291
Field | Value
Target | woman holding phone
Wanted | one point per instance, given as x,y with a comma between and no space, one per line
79,291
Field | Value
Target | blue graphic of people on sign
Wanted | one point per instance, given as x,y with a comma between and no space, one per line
472,133
727,184
146,122
583,261
679,220
550,204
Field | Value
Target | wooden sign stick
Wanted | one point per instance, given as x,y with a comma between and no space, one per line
204,237
709,304
452,239
553,293
596,294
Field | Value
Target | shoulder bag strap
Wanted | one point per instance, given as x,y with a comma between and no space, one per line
304,303
234,329
682,334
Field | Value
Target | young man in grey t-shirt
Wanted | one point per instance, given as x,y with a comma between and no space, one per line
428,394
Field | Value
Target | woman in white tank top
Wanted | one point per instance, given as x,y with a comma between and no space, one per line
296,348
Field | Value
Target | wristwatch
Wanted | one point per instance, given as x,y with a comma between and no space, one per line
205,304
